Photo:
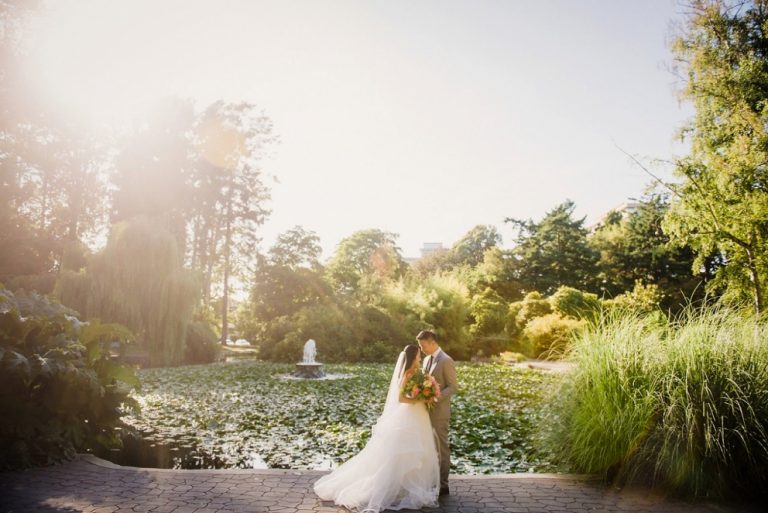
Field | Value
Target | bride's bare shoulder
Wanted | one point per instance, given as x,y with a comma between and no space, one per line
406,376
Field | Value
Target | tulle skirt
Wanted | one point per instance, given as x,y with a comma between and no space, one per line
397,469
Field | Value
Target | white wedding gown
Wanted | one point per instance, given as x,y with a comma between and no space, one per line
397,469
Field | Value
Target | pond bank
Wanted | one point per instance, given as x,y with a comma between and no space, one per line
546,365
89,484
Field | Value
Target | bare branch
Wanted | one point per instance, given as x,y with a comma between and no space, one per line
655,178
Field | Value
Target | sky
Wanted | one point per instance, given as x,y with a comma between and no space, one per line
422,118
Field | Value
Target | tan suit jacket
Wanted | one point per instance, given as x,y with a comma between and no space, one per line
443,368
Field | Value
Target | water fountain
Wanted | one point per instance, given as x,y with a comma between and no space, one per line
308,368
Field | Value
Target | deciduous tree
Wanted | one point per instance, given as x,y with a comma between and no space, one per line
722,203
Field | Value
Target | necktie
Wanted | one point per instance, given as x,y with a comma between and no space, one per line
429,363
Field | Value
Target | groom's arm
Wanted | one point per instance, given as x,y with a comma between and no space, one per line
451,383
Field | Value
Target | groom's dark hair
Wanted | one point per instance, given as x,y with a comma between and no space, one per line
427,335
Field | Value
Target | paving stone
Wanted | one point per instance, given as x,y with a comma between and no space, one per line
89,485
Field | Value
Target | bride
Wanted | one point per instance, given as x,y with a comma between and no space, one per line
398,468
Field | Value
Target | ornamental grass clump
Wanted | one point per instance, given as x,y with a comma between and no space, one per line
681,406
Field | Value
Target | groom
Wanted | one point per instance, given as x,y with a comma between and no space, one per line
441,366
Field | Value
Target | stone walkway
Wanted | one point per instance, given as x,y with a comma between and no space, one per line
89,484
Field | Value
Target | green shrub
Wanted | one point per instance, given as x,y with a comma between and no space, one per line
511,327
42,283
641,299
285,336
520,313
533,305
343,334
60,390
202,343
489,311
378,351
549,336
570,302
682,406
442,304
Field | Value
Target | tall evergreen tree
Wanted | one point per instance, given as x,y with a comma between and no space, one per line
232,140
555,252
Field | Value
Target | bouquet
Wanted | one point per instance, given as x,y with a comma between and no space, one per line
422,387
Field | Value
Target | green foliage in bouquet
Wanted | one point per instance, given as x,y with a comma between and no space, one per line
421,387
60,390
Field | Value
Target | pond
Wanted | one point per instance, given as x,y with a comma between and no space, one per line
245,414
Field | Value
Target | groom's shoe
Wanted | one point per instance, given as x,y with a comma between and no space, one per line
444,491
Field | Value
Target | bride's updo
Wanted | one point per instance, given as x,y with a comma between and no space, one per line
411,352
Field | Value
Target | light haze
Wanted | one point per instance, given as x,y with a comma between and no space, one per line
421,118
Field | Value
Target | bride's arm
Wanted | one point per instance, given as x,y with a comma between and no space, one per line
402,398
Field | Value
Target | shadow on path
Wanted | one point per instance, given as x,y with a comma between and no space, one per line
91,485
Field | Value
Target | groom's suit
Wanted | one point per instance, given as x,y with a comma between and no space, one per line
442,367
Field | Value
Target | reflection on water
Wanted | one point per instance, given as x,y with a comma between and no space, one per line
327,377
138,451
239,358
146,452
326,463
256,461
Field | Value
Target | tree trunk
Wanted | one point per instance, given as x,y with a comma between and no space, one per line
75,196
44,205
213,253
227,253
195,242
195,238
757,288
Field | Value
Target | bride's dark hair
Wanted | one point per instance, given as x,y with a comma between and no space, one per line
411,351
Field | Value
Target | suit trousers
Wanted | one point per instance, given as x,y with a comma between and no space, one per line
440,426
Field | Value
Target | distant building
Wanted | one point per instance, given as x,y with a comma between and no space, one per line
625,209
427,249
430,247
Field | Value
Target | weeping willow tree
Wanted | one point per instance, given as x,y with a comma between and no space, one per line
138,280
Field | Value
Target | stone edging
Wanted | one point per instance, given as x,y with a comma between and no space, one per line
94,460
90,458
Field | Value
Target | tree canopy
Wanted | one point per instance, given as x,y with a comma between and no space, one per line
555,251
721,204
